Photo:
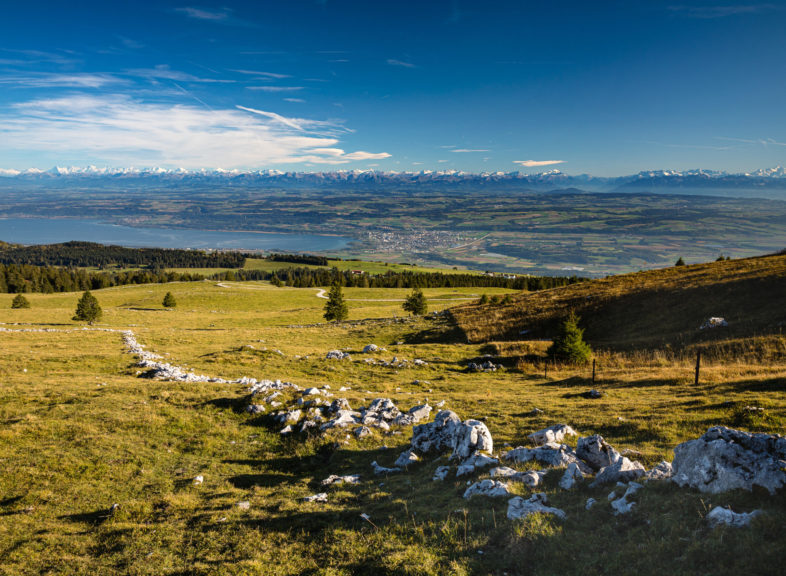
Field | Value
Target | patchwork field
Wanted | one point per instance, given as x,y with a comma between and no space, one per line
83,431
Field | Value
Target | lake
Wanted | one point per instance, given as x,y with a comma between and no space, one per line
46,231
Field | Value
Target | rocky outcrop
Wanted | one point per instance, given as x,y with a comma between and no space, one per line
519,508
406,458
552,455
334,479
725,459
476,462
572,475
337,355
469,437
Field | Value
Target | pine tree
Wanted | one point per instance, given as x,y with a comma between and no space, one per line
336,307
169,300
87,309
569,345
680,262
20,301
415,303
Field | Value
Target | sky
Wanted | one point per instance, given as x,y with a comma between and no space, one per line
606,88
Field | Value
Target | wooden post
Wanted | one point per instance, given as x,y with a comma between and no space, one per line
698,366
593,370
545,370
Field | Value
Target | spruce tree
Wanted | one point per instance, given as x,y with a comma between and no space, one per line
20,301
169,300
87,309
415,303
680,262
569,345
336,307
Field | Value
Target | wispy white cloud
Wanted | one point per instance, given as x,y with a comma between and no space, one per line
211,14
720,11
401,63
760,141
297,100
273,75
164,72
275,88
122,131
533,163
469,150
78,80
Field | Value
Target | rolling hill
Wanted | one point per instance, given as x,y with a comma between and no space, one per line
651,309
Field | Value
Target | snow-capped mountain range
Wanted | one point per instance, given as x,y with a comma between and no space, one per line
763,178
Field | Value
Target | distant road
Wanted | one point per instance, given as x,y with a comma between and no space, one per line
322,294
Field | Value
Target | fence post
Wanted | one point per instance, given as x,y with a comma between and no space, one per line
698,366
545,370
593,370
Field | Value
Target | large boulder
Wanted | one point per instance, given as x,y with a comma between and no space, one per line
725,459
469,437
596,452
436,436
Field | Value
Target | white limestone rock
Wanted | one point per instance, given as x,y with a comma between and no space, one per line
623,470
441,473
719,516
492,488
406,458
552,434
379,470
436,436
572,475
334,479
724,459
662,471
596,452
320,498
519,508
469,437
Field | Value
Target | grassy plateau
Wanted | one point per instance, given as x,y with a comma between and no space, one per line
81,431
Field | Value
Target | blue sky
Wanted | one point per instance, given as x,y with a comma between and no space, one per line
606,88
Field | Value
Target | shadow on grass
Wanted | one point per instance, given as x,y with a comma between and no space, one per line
245,481
95,518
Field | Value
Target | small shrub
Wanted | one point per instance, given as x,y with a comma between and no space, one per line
415,303
87,309
569,345
169,301
483,300
20,301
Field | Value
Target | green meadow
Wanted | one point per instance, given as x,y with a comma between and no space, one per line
81,431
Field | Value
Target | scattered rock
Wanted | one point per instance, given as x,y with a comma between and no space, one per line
536,504
487,366
337,355
713,322
662,471
379,470
487,487
474,463
725,459
572,475
362,432
244,505
719,515
286,430
623,470
553,455
441,473
436,436
556,433
256,408
469,437
596,452
623,505
198,480
590,503
320,498
406,458
369,348
503,472
594,394
333,479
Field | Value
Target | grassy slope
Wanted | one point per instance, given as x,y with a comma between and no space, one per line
80,431
656,308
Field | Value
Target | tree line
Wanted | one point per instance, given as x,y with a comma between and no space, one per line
90,254
22,278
